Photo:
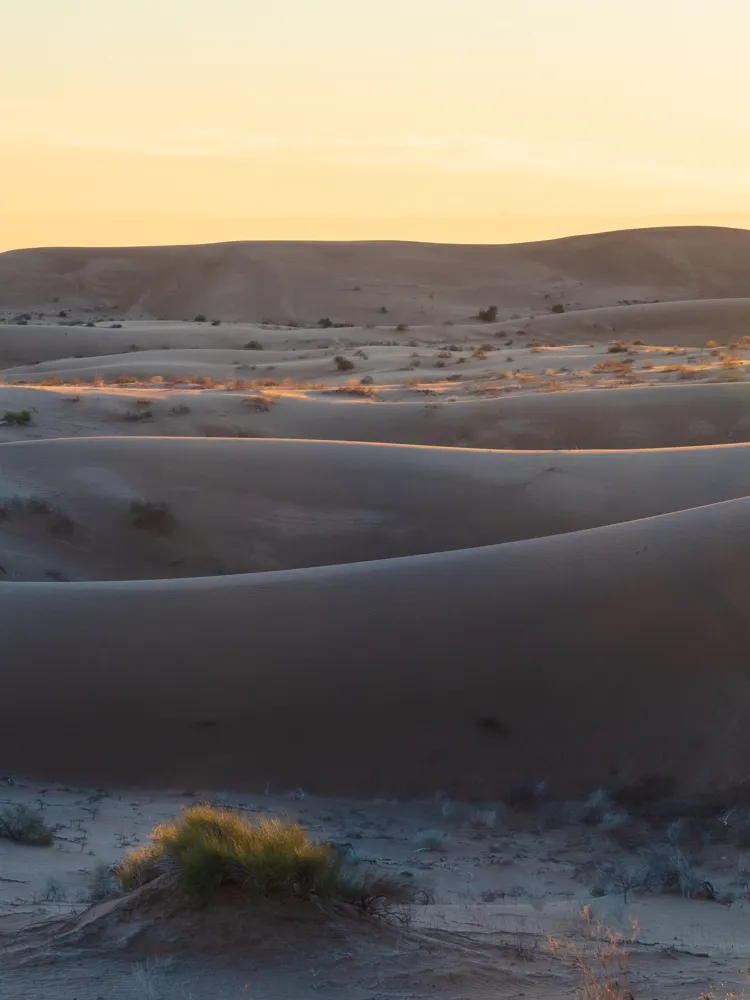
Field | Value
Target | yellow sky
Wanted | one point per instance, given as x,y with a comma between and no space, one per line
491,120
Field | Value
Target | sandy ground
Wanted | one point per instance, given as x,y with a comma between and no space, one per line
420,563
503,884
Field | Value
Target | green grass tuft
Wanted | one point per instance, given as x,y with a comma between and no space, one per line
17,418
210,848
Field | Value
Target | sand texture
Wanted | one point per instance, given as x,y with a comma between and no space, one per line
403,557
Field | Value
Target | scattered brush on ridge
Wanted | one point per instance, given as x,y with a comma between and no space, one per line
207,849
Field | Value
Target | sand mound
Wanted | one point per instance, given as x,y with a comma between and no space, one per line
138,508
588,649
688,323
354,281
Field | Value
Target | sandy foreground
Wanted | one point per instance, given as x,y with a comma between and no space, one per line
459,574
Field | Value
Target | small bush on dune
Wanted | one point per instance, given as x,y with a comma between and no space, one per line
150,516
343,364
16,418
25,826
559,308
207,849
488,315
617,348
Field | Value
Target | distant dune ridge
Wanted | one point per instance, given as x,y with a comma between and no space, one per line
317,606
416,282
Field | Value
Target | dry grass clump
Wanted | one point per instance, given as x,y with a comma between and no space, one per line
613,367
207,849
343,364
617,348
688,371
731,361
603,962
25,826
260,402
355,388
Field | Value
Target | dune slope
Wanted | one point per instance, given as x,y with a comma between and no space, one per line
355,281
580,659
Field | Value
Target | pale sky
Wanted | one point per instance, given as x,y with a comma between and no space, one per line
152,121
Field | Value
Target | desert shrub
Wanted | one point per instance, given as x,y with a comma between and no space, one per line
669,869
180,410
260,402
597,805
216,322
125,380
355,388
343,364
25,826
558,308
383,310
621,367
17,418
150,516
102,885
253,345
639,343
325,323
731,361
200,318
431,840
488,315
133,416
617,348
207,849
402,328
602,962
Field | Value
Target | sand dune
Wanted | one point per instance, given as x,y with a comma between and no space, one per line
688,323
253,607
658,416
589,658
249,506
416,283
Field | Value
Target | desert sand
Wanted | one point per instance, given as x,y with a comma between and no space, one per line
420,559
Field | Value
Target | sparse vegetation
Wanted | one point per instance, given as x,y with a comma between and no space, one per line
343,364
150,516
208,849
200,318
355,388
431,840
617,348
253,345
17,418
23,825
488,315
260,402
620,367
603,965
558,308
